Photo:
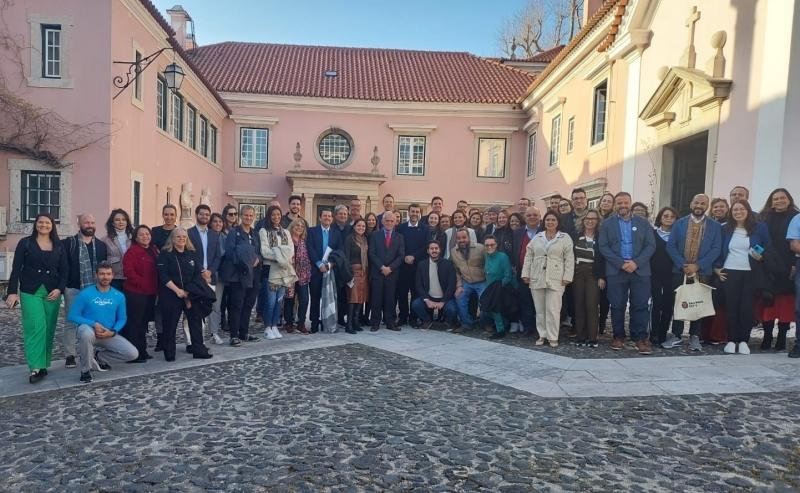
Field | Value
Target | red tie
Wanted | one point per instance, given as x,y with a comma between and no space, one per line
388,239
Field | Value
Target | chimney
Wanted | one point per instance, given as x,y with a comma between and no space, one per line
179,19
590,7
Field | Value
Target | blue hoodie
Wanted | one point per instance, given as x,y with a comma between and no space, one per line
92,306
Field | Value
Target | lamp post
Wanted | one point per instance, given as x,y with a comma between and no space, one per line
173,73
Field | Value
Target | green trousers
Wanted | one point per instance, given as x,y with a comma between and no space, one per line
39,317
498,321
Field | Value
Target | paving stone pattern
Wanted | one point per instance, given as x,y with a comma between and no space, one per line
354,418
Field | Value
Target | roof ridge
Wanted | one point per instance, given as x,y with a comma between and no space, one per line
365,48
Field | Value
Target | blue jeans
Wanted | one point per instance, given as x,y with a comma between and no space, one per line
621,288
424,314
272,308
463,300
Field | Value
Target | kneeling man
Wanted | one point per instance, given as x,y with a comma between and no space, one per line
436,287
99,313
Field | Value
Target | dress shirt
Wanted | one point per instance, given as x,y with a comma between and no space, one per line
625,238
203,232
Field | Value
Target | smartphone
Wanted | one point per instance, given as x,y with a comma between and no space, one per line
758,249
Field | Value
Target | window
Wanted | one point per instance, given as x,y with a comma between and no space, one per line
203,136
212,138
570,134
532,154
491,158
411,155
335,147
599,113
51,51
41,192
254,144
161,104
137,202
191,126
555,140
137,84
177,116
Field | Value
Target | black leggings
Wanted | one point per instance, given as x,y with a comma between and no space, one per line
739,293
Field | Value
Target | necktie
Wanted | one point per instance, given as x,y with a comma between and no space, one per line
388,238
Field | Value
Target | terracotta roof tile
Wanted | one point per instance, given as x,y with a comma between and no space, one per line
361,73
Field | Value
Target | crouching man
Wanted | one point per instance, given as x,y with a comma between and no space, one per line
99,313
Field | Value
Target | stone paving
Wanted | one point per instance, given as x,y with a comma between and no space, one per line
355,418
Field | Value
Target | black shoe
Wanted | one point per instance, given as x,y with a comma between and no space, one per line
780,342
138,360
158,347
402,321
202,356
189,349
36,376
795,353
86,377
393,327
235,342
70,362
44,371
101,365
314,329
350,331
169,358
426,325
766,343
148,356
253,339
374,328
498,335
358,328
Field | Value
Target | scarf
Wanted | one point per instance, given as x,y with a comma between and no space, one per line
663,234
85,263
361,241
277,234
122,239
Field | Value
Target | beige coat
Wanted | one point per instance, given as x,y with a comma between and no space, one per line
115,255
471,270
547,266
279,259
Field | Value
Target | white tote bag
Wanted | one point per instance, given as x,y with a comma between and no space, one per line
693,301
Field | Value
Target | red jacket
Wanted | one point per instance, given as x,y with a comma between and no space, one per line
139,268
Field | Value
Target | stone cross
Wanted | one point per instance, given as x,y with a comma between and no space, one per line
690,55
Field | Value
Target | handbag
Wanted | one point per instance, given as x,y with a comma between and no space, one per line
693,301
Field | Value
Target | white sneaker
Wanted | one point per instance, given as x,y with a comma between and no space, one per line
514,328
730,348
218,339
268,333
276,333
744,348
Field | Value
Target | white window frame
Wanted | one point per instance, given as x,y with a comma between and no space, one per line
555,140
531,162
162,104
212,138
412,167
176,115
137,70
51,31
599,126
38,52
203,136
505,158
249,136
136,177
191,127
67,221
570,134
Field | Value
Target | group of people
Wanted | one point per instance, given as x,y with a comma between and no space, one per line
501,269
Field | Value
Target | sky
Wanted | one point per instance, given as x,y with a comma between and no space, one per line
444,25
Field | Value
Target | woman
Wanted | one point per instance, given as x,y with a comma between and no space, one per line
398,218
497,267
178,267
141,288
663,292
588,278
372,223
552,249
230,215
606,205
459,221
564,206
434,232
719,210
504,234
445,222
215,319
516,221
119,233
738,269
476,224
641,210
302,267
356,252
277,250
777,302
38,277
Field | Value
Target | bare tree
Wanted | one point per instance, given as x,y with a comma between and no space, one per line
539,26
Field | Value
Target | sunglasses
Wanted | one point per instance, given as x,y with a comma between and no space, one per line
233,213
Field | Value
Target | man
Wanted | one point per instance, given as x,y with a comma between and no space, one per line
386,253
84,253
491,220
793,235
523,236
627,243
355,210
206,242
437,206
341,216
169,214
99,313
462,205
523,204
320,238
435,287
241,272
694,244
468,260
553,203
415,237
388,206
295,209
739,193
580,206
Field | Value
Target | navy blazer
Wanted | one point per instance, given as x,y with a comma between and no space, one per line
709,245
213,255
314,245
379,255
447,279
759,237
644,245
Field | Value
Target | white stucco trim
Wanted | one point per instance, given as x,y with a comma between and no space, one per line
496,130
631,121
259,121
15,169
416,128
35,78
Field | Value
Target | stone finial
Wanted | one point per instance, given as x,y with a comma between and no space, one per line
716,66
298,156
689,58
375,160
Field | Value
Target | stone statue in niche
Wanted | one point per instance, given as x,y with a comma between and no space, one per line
205,196
187,204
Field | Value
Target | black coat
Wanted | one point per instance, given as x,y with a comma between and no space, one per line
241,251
73,258
498,298
342,271
33,267
202,297
447,278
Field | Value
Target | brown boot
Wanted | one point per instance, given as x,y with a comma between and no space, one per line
617,344
644,347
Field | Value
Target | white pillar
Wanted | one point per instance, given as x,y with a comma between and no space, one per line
631,125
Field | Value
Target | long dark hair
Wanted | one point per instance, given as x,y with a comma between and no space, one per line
360,220
767,210
225,211
366,217
555,215
53,232
111,231
749,222
270,210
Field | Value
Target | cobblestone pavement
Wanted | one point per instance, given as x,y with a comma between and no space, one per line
353,418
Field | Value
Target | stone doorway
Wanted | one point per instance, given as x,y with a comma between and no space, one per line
685,170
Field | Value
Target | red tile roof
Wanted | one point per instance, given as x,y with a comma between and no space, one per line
546,56
361,73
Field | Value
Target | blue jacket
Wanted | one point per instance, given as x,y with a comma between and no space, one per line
214,253
710,245
759,237
314,245
644,245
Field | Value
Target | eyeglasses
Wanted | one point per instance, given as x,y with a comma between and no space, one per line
233,213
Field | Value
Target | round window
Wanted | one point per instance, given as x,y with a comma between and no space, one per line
335,148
